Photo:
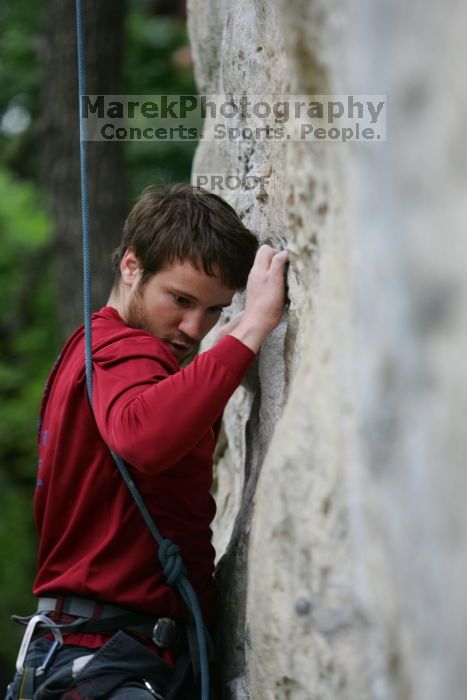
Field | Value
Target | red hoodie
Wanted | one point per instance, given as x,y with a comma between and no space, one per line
159,419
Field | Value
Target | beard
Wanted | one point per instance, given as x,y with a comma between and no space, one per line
136,317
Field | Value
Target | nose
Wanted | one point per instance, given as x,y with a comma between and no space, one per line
194,325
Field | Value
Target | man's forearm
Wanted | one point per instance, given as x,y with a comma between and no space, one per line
153,424
250,334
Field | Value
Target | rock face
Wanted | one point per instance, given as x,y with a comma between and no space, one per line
341,476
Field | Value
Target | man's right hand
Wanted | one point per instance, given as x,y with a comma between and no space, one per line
265,297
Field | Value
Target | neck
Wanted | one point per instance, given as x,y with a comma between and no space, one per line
117,300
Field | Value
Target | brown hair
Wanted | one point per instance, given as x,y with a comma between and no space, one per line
174,223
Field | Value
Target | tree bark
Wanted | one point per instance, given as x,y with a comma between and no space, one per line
103,28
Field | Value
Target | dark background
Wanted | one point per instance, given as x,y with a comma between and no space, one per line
134,48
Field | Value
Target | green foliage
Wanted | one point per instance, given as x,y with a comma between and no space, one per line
150,66
17,547
28,343
152,44
19,71
28,334
20,35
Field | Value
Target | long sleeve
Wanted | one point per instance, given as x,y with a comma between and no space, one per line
152,417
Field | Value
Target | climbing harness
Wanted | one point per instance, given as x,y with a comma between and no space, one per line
123,658
121,648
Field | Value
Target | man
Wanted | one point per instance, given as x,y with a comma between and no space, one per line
183,255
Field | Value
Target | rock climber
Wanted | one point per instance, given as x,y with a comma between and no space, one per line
183,255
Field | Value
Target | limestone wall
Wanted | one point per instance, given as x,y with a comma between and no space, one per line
342,471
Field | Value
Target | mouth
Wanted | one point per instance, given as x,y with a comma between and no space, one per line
180,349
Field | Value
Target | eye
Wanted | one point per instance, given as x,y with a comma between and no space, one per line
181,301
216,309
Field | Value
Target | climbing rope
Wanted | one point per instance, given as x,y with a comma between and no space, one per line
83,153
168,552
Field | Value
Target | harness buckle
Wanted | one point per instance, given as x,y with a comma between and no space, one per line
165,633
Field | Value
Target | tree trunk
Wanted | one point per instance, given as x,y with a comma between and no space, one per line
60,125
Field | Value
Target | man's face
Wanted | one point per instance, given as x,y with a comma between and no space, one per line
179,304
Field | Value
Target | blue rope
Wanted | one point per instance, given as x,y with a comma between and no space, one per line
168,552
83,151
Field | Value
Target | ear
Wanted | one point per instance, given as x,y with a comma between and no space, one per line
129,267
